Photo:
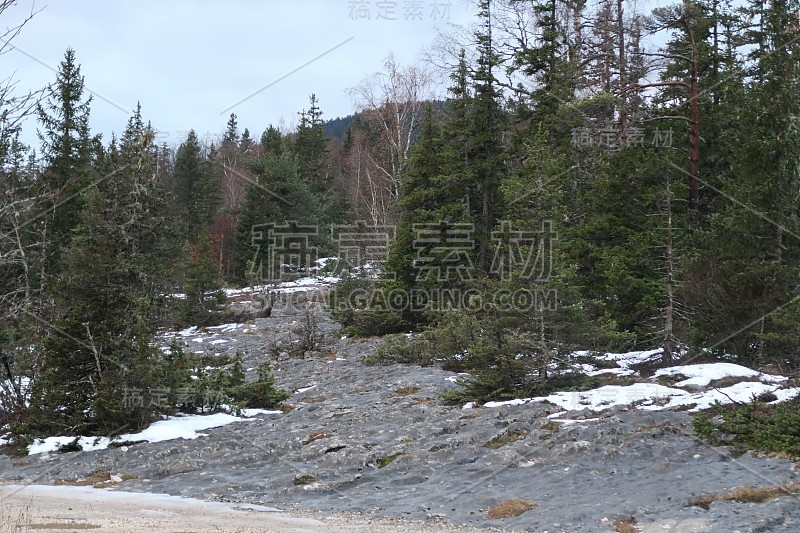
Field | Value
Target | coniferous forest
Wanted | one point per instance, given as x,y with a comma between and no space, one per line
596,178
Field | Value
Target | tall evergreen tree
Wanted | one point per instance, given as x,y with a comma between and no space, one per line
753,250
66,149
110,297
276,195
487,157
311,149
231,135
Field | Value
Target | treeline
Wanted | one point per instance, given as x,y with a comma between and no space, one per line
632,214
556,201
106,243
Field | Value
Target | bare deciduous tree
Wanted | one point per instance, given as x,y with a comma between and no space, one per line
390,104
20,251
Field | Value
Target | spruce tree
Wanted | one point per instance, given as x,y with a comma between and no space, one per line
111,295
752,246
311,149
189,176
276,195
231,135
66,149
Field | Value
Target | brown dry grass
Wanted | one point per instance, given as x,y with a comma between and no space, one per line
93,479
748,495
510,508
506,438
729,381
405,391
317,435
626,525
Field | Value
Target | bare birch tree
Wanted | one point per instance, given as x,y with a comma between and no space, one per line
391,104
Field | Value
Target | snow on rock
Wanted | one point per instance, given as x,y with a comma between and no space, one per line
652,396
227,328
286,287
742,392
610,395
178,427
701,375
612,371
628,359
188,332
600,398
304,284
784,395
568,421
51,444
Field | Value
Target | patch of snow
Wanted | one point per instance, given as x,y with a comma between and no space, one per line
178,427
651,396
249,413
227,328
701,375
187,332
568,421
613,371
740,392
786,394
51,444
627,359
610,395
287,287
517,401
323,261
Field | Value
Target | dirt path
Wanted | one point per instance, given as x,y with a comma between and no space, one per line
66,508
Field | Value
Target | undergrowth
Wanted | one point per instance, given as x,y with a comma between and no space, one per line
769,428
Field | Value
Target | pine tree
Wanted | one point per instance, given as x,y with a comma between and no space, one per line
246,143
117,269
487,154
66,148
203,285
276,195
311,149
231,135
272,141
188,176
752,251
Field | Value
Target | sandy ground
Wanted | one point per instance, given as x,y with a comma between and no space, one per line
66,508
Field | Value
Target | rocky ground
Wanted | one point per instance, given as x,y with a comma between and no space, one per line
380,441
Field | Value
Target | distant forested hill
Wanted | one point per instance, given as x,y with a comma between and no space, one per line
336,128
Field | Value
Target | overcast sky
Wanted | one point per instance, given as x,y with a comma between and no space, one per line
192,62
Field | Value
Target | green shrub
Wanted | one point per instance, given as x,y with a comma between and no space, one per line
360,305
386,460
401,349
754,426
260,394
